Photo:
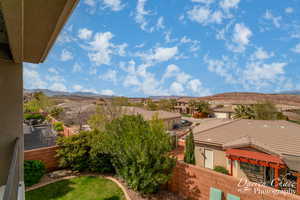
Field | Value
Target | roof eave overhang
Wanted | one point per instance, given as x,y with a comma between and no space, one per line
33,26
13,16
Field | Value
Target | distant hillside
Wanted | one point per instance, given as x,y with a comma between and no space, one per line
52,93
250,98
294,92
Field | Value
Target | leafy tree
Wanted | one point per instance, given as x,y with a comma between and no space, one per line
75,152
202,106
259,111
120,101
104,115
39,102
140,152
151,105
189,151
244,112
166,104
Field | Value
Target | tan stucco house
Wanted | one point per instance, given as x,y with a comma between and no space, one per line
260,151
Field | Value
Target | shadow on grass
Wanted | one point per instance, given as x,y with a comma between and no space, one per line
113,198
51,191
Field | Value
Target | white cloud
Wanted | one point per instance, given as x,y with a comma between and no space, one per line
221,67
203,1
203,15
107,92
261,54
163,54
228,4
66,55
289,10
160,23
276,20
171,71
52,70
85,33
32,79
114,5
195,44
241,37
159,54
91,3
140,14
101,49
76,68
176,88
296,49
110,75
77,88
258,74
58,87
197,88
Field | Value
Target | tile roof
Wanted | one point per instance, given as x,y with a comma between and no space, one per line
282,136
148,115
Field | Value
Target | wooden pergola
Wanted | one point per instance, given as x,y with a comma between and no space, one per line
260,159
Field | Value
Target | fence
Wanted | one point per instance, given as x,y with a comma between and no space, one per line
46,155
194,183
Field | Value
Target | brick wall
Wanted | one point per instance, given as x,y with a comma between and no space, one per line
194,183
46,155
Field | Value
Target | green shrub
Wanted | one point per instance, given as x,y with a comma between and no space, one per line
33,171
189,151
140,152
221,169
29,116
58,126
75,152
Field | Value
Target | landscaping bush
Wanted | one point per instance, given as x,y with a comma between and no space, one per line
140,152
28,116
189,150
58,126
33,171
221,169
75,152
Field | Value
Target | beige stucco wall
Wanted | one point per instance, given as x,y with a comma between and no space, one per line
219,159
169,123
11,118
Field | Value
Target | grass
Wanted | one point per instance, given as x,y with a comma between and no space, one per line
83,188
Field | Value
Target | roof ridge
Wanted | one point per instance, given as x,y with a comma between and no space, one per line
218,126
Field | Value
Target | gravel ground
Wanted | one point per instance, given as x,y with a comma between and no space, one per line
162,195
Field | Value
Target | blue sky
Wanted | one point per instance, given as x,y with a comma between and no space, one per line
174,47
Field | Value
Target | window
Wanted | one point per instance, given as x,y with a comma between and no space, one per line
209,159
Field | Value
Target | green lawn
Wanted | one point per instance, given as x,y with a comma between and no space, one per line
80,188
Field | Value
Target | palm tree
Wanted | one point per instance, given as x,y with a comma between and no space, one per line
244,112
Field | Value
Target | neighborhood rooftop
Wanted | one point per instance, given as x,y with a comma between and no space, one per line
280,136
148,115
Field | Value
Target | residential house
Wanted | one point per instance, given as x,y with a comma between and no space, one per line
260,151
28,29
169,118
225,112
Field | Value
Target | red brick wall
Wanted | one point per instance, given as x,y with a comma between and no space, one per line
46,155
194,183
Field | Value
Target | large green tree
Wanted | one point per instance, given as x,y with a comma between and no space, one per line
189,151
140,151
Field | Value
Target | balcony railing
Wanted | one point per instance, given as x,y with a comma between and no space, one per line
13,189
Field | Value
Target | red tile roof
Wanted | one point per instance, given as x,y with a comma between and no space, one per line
254,155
